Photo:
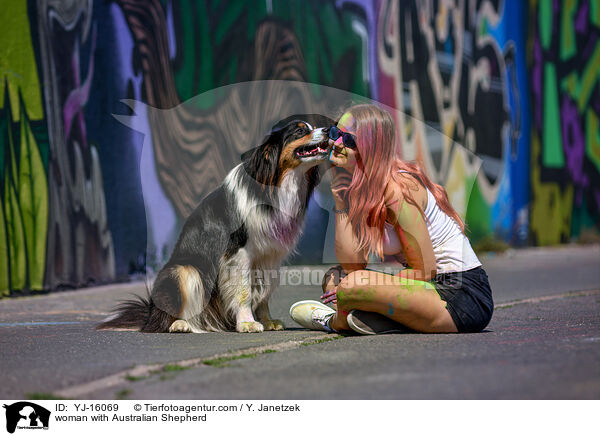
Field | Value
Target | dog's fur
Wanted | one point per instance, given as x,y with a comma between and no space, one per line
222,269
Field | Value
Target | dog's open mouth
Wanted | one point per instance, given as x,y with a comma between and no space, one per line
311,150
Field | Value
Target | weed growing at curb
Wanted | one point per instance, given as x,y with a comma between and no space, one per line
43,396
320,341
122,394
174,368
133,378
221,362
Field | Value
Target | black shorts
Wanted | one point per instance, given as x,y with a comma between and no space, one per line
468,296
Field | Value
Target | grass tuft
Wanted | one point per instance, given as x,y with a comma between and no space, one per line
174,368
123,394
320,341
43,396
221,362
133,378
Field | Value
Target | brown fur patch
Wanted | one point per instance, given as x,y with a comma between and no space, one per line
188,280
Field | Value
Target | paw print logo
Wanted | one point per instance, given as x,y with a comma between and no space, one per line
294,278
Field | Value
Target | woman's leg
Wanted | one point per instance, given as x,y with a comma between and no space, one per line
412,303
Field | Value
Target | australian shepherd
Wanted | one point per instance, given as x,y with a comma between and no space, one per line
224,266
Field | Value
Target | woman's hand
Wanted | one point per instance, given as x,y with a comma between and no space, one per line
339,187
330,297
331,279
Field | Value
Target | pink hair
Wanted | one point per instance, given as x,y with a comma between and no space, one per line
376,163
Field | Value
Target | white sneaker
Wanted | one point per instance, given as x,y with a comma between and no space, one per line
312,314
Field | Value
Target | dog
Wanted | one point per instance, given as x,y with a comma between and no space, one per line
220,274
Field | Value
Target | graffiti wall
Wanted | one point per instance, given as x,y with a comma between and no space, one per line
98,105
564,70
460,66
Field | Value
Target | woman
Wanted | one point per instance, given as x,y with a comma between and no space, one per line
386,206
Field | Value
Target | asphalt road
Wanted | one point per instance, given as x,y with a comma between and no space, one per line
542,343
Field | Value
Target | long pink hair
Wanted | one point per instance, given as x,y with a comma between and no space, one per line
377,161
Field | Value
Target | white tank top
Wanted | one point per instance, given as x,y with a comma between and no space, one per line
452,249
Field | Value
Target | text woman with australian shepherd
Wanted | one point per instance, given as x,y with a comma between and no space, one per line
386,206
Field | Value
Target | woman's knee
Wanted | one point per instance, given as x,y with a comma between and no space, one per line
355,288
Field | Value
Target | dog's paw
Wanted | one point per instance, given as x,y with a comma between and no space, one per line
249,327
273,324
180,326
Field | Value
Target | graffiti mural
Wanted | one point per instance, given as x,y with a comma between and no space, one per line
23,157
565,145
80,247
454,64
179,57
117,117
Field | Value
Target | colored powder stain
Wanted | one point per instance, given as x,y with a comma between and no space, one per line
402,301
341,296
429,286
243,296
390,309
346,121
365,294
408,283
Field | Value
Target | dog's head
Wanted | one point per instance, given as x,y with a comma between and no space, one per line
297,142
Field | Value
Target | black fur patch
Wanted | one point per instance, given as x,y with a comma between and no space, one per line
237,240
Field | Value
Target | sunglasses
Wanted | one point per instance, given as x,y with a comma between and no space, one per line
347,138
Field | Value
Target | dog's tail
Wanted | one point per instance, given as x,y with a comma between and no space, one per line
138,314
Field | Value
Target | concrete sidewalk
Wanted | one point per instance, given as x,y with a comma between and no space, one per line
543,342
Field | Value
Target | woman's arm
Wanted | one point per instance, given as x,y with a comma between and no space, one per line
346,245
412,232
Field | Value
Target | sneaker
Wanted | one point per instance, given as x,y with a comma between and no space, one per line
372,323
312,314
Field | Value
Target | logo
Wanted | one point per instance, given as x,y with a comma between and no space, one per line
26,415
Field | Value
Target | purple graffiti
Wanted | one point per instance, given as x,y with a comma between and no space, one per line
581,19
78,97
574,146
590,46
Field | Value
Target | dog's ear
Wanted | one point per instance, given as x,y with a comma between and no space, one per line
275,135
262,162
247,154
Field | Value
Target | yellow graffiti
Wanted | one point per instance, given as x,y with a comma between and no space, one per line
550,219
18,71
